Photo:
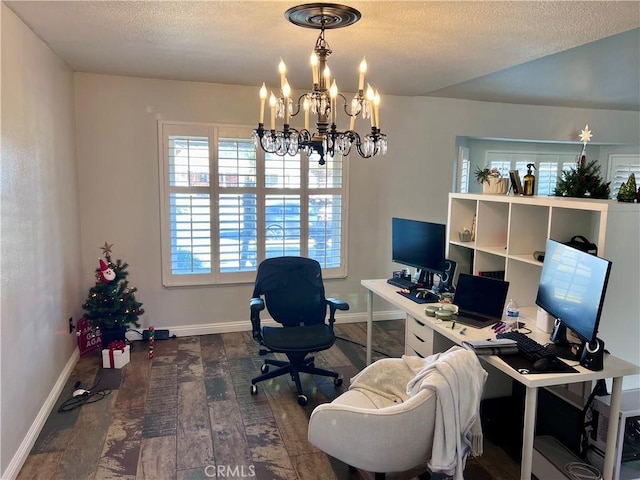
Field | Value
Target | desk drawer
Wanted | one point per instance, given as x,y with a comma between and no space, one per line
419,338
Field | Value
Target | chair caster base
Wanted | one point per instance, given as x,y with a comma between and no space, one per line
337,381
302,400
254,389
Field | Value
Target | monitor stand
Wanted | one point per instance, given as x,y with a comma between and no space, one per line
589,354
424,278
559,333
561,347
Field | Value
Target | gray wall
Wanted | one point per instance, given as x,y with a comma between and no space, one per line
118,155
40,271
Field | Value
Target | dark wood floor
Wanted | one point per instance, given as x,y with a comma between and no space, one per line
188,414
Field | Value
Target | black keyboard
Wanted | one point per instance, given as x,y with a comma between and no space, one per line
528,347
402,283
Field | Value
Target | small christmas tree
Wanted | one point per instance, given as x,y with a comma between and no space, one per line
627,192
111,303
584,179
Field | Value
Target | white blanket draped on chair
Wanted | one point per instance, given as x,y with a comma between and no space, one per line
458,380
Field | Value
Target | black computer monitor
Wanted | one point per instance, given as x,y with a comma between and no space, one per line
572,288
419,244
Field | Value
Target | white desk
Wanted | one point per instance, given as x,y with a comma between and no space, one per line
614,368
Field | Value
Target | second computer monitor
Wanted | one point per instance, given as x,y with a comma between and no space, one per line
572,288
419,244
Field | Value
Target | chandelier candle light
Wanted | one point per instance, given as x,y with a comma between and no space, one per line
322,101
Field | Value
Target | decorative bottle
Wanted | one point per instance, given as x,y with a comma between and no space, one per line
513,315
529,181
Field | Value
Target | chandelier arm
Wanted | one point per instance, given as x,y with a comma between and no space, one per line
344,106
363,155
358,143
266,147
297,105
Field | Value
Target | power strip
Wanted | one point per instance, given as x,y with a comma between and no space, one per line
157,334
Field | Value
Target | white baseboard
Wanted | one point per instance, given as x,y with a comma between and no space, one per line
29,440
245,325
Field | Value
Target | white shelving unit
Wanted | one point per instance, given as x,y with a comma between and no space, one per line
509,229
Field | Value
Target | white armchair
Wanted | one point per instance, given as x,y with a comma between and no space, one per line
406,414
395,438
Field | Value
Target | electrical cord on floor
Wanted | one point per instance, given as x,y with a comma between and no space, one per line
362,345
136,331
81,397
581,471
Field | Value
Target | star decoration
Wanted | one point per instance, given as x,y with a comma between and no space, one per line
106,250
585,136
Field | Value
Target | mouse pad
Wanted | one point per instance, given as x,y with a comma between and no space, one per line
518,362
412,296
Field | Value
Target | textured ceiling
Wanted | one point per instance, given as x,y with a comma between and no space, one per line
541,52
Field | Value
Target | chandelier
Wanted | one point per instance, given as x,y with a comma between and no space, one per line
323,101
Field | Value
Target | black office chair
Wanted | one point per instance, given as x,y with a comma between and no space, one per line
294,296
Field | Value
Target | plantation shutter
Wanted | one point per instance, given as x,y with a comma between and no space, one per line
620,166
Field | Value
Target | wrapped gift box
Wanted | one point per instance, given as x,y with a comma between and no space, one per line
116,356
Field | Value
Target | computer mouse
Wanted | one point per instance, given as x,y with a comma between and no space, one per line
544,365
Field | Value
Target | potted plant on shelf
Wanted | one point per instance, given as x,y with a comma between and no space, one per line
491,180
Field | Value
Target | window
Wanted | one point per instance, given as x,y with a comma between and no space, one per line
226,206
548,167
620,166
463,169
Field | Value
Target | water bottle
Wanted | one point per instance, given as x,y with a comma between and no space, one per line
513,315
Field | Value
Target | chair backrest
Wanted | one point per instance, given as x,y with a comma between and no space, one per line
293,290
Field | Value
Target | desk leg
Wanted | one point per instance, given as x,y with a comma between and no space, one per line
369,324
612,430
528,432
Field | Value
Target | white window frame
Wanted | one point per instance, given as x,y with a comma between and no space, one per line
464,168
213,132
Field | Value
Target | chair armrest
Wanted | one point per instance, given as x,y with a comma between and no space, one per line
256,305
337,304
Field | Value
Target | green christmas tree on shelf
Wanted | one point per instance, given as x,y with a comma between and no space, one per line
584,179
627,191
111,303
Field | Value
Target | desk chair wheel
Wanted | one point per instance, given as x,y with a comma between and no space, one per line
254,389
337,381
302,400
264,368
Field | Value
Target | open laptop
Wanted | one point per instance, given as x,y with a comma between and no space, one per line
480,300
